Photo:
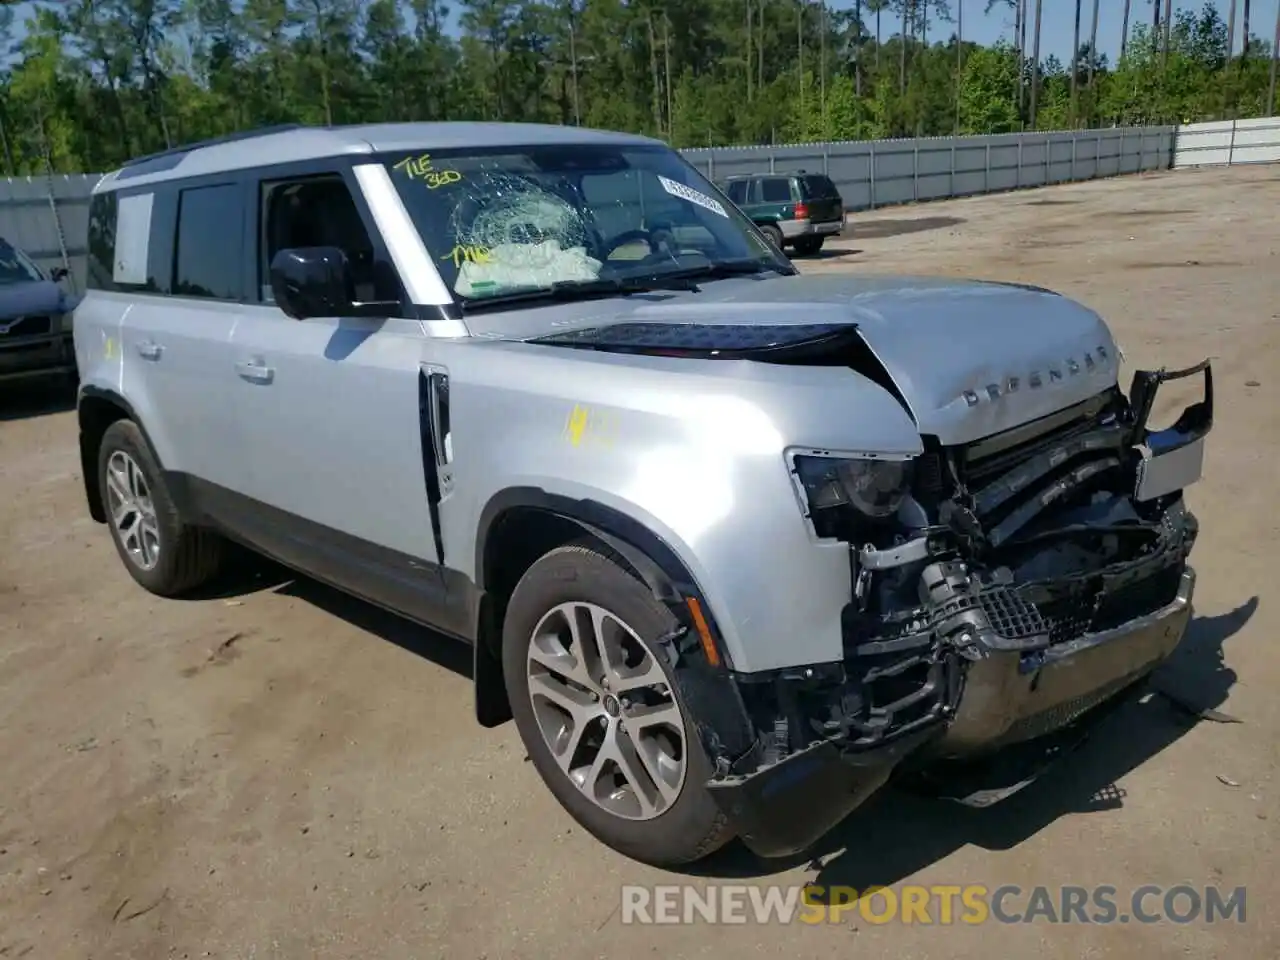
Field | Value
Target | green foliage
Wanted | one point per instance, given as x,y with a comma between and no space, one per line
95,82
987,85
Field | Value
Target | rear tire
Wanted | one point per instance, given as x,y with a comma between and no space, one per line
808,246
774,235
164,555
583,632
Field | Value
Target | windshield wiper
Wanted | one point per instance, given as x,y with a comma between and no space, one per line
687,279
735,268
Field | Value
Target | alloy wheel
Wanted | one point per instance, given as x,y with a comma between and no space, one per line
132,512
606,710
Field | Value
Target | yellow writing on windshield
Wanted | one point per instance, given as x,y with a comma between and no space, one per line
468,253
420,168
442,178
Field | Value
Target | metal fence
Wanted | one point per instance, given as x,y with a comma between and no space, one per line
48,217
1227,142
876,173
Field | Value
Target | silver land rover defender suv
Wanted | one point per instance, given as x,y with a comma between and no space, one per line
732,545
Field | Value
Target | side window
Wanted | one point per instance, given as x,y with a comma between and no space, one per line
319,211
776,190
207,260
737,191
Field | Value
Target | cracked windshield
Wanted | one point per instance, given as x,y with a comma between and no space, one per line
561,216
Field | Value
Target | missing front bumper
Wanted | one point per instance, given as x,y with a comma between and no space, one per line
1008,699
983,641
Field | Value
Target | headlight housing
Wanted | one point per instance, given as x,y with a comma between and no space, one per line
874,488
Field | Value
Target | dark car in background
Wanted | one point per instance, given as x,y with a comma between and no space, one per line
798,210
35,319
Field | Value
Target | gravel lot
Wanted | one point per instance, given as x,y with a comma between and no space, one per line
279,771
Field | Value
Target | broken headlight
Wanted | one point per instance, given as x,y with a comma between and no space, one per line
875,488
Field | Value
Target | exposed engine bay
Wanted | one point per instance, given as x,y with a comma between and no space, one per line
1019,546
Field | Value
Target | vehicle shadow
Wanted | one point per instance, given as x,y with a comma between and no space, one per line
898,833
249,572
827,253
242,572
880,229
25,399
453,655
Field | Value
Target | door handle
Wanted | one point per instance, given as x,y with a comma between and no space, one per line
149,350
255,371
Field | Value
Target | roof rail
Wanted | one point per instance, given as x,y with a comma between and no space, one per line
213,142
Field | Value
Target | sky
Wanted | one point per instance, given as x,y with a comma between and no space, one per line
1058,18
1057,23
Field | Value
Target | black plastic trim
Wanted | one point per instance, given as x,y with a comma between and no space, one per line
1194,422
722,341
428,593
432,456
784,808
89,458
597,518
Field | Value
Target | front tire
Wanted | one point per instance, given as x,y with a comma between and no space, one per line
598,709
163,554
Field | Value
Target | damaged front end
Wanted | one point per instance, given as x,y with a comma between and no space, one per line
1004,590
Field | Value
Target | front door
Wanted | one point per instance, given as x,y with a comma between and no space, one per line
331,411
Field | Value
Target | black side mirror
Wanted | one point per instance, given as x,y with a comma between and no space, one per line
312,282
58,274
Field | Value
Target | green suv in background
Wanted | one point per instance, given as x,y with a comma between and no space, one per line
798,210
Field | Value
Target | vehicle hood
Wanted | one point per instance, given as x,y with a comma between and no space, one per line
35,297
967,358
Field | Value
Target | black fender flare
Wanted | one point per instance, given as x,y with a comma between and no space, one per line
89,452
649,555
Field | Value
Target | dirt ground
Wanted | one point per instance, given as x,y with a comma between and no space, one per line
279,771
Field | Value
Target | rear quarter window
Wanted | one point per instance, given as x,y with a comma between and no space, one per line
102,241
130,241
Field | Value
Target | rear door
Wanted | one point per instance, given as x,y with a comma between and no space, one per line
822,198
176,273
774,200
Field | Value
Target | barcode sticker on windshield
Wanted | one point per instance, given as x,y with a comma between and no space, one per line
693,196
